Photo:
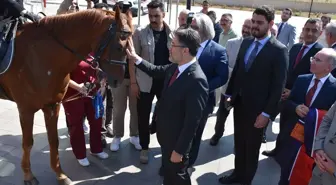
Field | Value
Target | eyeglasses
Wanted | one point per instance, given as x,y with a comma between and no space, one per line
315,59
177,46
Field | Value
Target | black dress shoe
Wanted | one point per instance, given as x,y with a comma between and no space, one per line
214,140
229,179
269,153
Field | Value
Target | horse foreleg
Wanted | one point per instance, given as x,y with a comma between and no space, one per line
51,114
27,122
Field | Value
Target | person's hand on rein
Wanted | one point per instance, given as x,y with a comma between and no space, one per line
131,54
83,89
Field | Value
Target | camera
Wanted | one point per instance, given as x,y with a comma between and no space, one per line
190,17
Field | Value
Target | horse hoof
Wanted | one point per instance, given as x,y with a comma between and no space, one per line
34,181
65,181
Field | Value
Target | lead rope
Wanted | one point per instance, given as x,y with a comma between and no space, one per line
79,95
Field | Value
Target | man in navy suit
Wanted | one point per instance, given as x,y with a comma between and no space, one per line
214,63
299,64
316,90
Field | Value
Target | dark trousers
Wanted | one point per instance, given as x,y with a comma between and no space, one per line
222,114
247,142
174,173
198,137
144,106
107,120
281,135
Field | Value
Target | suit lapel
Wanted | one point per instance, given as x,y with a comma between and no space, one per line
207,48
243,51
296,52
308,54
324,90
170,73
263,51
180,79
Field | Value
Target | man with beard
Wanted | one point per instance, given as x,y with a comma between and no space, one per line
151,43
254,91
286,32
232,49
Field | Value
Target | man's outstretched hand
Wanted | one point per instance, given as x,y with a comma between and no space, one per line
131,54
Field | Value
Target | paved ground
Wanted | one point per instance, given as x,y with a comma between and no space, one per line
122,167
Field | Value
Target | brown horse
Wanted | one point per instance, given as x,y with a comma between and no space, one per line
45,54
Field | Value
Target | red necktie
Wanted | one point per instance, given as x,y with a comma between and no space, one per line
311,93
299,56
173,78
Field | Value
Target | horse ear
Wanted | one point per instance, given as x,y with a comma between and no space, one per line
117,13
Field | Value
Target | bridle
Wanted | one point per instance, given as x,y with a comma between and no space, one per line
110,34
95,60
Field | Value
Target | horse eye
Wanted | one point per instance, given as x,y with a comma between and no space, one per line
124,35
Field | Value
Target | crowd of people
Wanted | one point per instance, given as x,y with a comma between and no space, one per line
265,71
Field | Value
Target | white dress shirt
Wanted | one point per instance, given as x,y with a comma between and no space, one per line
319,86
262,43
184,67
307,49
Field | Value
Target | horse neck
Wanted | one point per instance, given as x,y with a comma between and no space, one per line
79,37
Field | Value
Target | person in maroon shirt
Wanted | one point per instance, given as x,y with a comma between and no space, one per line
76,109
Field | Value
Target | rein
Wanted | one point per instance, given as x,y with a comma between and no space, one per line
79,95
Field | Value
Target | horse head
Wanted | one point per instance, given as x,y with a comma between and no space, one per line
110,51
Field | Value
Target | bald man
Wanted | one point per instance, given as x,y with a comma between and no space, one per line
182,18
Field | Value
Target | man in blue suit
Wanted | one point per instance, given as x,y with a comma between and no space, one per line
316,90
214,63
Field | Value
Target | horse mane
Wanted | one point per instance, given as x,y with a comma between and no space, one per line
79,21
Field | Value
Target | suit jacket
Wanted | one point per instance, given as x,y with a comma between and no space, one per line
144,46
232,49
181,105
304,65
325,98
260,87
214,63
326,140
287,35
9,8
